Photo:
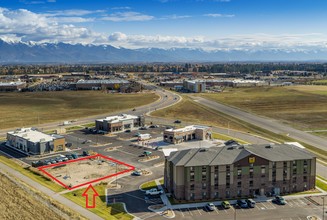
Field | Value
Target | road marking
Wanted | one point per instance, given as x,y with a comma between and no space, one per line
264,205
189,211
181,212
216,210
198,210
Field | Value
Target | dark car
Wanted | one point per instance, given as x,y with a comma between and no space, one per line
143,128
37,163
137,173
250,202
279,200
242,203
229,142
75,156
69,157
178,121
85,153
209,207
134,109
127,131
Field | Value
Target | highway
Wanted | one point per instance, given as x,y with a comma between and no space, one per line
266,123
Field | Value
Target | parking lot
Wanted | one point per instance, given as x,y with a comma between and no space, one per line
297,209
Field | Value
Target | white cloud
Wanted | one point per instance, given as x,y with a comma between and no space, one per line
121,8
29,26
219,15
127,16
174,16
73,12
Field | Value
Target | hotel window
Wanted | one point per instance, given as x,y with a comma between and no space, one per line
192,187
204,169
305,170
216,177
227,194
251,183
305,162
285,164
204,195
216,195
263,171
294,162
192,176
305,179
204,185
251,172
239,172
294,179
239,192
191,168
216,185
274,164
227,168
294,171
239,184
216,169
227,185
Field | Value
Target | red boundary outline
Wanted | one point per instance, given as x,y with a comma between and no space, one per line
43,169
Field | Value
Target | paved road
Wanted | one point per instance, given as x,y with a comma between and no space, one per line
266,123
50,193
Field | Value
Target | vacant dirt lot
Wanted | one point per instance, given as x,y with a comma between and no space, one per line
79,172
16,203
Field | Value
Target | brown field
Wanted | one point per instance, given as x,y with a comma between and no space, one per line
80,172
193,112
304,107
16,203
26,109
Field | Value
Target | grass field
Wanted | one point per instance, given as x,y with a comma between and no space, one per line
110,212
304,107
25,109
33,175
149,185
321,185
15,203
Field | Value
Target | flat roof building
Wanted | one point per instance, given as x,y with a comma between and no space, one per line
119,123
196,86
192,132
32,141
238,171
97,84
12,86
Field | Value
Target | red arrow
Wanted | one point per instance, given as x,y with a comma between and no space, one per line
93,193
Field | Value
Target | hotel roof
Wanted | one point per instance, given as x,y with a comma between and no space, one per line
33,135
118,118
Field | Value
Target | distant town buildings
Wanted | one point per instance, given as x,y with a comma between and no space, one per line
119,123
196,86
238,171
32,141
12,86
110,84
192,132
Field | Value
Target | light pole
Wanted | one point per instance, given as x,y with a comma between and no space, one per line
323,207
235,213
116,175
228,126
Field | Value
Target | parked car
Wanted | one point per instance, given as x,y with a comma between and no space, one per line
177,121
147,153
279,200
153,191
137,173
86,141
241,203
75,156
47,162
37,163
85,153
63,157
250,202
58,159
53,161
225,204
143,128
229,142
154,126
210,207
128,131
69,156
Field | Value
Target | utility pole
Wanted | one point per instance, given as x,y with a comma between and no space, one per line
228,127
116,175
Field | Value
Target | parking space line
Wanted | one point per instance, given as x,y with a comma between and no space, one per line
216,210
181,212
189,211
198,210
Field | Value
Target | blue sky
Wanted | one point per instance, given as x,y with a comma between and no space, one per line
207,24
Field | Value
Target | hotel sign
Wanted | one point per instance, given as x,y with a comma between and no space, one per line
251,159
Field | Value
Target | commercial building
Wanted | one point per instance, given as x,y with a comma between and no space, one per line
238,171
119,123
12,86
196,86
110,84
32,141
192,132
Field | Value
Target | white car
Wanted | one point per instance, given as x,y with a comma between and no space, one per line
154,191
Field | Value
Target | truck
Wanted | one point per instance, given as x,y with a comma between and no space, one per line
153,192
143,137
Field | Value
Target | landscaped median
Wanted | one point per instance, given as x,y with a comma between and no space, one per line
111,212
321,184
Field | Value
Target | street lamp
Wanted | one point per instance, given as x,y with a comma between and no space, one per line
228,126
323,207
